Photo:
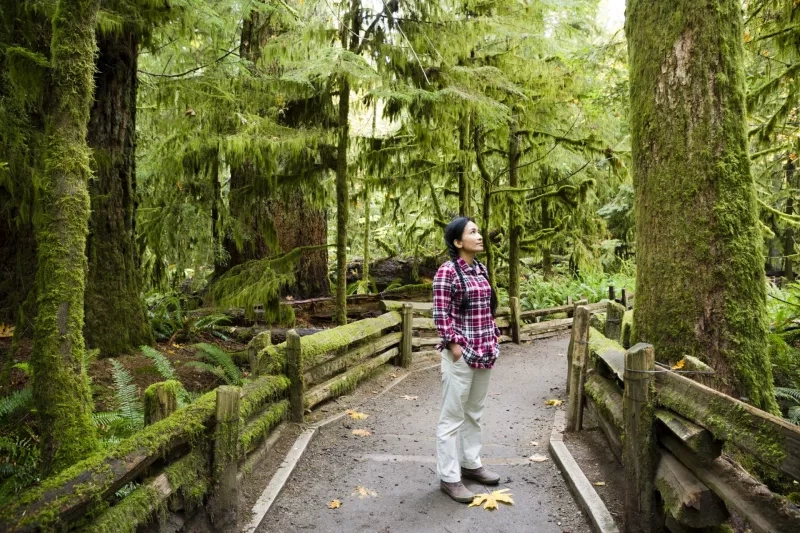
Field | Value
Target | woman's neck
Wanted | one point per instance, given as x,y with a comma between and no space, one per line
468,257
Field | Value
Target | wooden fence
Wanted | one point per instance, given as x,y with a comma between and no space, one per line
668,431
185,457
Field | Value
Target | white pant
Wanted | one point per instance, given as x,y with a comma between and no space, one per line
463,394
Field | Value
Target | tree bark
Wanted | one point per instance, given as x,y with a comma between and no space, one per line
788,235
61,390
115,316
700,286
547,261
464,185
514,223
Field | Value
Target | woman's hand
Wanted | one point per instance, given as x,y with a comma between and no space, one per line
456,349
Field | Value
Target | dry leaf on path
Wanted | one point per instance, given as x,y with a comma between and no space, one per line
6,331
678,365
599,483
362,433
407,397
554,403
492,499
364,492
533,443
355,415
536,458
334,504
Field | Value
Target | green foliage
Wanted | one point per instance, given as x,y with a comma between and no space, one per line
165,314
219,363
538,293
160,361
129,415
19,466
20,400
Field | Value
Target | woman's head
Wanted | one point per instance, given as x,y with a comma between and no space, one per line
462,236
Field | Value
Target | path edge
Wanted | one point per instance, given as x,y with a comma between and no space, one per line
579,484
281,476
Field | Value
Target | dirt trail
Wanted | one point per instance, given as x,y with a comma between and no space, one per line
398,461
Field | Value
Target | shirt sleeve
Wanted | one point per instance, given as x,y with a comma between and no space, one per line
443,305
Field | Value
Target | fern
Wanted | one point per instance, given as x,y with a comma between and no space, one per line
162,364
128,403
786,393
216,370
222,359
16,401
19,465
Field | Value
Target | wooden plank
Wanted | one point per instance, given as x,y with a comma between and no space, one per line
698,439
546,326
344,383
315,346
532,313
418,342
294,371
577,373
607,352
421,309
639,446
325,370
612,432
405,341
223,506
685,497
772,440
613,326
607,396
423,323
765,511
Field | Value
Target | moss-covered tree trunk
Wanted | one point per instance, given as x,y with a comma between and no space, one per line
547,220
700,285
115,316
514,223
486,190
788,234
61,390
464,185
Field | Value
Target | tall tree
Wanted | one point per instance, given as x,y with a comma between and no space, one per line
700,286
115,316
61,219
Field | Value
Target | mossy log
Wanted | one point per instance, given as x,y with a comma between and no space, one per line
315,346
330,367
607,396
613,326
533,313
770,439
685,497
422,309
627,329
546,326
346,382
613,434
765,511
419,342
261,391
698,439
160,400
607,355
423,323
254,432
67,496
598,321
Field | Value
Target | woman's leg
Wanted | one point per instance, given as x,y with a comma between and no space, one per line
473,411
456,379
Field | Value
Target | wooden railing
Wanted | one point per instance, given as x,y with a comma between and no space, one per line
200,452
668,431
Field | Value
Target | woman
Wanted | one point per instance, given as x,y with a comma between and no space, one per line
463,305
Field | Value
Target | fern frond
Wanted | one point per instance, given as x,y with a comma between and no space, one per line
128,403
216,370
162,364
16,401
793,415
786,393
220,358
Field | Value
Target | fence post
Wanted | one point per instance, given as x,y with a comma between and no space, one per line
623,299
294,371
516,321
224,502
571,312
614,314
577,361
254,349
407,314
611,293
639,445
160,401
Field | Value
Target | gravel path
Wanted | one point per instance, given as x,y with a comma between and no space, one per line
397,462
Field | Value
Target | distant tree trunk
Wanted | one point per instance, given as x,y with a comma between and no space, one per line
464,185
547,261
514,223
486,180
367,221
216,238
700,287
788,236
115,316
60,388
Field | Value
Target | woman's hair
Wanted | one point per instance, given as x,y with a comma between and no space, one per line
455,231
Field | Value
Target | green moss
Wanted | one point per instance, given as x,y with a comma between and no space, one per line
599,343
598,321
323,342
191,474
627,329
259,428
260,392
425,289
135,509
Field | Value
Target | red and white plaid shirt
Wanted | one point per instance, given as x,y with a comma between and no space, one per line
473,330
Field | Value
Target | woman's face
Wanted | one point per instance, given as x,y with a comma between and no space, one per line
471,240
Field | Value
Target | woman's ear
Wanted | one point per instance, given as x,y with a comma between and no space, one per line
458,243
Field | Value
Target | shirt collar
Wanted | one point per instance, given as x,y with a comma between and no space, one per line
465,266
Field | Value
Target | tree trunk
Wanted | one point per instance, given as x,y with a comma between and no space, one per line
115,316
464,185
700,286
487,203
514,223
547,261
788,235
61,390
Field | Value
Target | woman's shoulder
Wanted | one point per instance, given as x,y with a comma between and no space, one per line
446,269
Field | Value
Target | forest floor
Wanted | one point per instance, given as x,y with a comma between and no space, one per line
396,464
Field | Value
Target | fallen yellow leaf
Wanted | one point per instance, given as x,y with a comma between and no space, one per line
334,504
554,403
537,458
362,432
599,483
355,415
678,365
407,397
6,331
491,500
364,492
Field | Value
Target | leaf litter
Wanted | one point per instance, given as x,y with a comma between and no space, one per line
491,500
364,492
362,433
334,504
355,415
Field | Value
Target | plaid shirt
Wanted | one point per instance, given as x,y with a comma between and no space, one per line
475,330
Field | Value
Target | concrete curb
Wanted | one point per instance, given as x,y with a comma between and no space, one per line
583,490
281,476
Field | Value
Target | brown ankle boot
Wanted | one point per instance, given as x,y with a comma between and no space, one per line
457,491
482,475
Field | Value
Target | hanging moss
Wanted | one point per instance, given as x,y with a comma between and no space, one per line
700,286
257,430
